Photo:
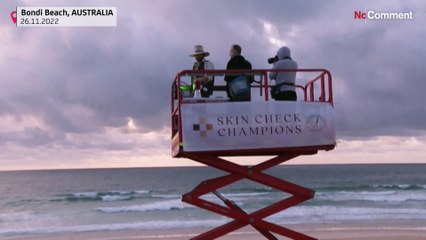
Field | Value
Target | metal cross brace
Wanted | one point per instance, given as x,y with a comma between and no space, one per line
232,210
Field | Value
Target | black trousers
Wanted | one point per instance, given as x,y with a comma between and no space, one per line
286,96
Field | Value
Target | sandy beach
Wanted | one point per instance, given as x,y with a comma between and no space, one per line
331,232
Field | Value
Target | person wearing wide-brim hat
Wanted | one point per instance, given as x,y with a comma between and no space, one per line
201,63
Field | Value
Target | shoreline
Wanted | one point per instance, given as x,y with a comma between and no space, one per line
345,231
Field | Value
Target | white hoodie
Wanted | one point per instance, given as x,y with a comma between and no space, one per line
284,62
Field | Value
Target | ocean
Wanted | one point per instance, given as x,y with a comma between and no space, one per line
53,201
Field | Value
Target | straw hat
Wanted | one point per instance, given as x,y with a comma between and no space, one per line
198,49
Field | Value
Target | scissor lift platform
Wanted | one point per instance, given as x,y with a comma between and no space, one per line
208,129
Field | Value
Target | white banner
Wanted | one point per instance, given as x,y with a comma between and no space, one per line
256,125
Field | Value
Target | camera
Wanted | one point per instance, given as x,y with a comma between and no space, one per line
273,60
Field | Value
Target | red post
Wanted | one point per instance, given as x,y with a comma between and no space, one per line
265,78
330,88
322,98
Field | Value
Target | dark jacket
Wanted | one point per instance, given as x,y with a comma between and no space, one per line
237,62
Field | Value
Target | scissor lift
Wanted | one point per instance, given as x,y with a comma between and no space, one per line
208,129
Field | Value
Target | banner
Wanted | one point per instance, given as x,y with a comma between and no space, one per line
256,125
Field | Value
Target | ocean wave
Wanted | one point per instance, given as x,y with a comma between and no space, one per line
114,227
344,213
112,198
101,196
375,187
85,195
401,186
294,215
245,194
378,196
141,191
175,204
166,196
234,194
16,216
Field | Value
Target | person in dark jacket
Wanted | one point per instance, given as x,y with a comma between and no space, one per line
237,62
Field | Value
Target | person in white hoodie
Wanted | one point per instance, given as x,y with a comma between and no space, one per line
284,89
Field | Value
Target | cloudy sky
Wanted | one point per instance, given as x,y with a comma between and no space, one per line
99,97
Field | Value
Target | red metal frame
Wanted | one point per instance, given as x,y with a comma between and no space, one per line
323,78
241,218
254,173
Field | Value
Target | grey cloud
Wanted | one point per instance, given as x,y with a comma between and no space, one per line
81,80
29,137
384,80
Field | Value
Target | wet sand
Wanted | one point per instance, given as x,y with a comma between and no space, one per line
331,232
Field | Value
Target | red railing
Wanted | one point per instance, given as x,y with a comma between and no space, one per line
324,78
309,87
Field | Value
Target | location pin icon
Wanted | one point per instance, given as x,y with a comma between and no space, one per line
13,16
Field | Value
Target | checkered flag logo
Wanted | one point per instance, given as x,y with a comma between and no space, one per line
202,127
